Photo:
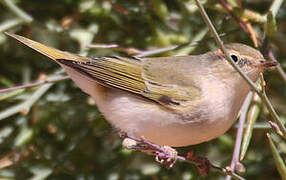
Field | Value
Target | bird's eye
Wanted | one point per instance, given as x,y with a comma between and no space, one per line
234,58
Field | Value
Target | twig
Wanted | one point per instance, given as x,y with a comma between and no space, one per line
239,21
257,125
127,50
244,24
162,50
275,128
196,38
242,13
279,161
175,47
4,26
11,158
278,67
216,168
242,118
252,115
147,145
272,124
244,76
220,44
25,106
257,42
60,78
142,53
275,6
273,113
17,11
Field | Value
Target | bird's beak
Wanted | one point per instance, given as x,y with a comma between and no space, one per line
266,64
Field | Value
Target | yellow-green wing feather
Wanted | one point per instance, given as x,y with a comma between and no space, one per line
156,79
117,72
170,81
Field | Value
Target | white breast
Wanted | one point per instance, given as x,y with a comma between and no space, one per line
139,117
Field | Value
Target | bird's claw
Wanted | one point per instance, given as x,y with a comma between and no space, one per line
167,157
163,154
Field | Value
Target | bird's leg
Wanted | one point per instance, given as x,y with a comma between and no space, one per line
168,156
163,154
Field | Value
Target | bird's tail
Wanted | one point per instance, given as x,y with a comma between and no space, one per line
48,51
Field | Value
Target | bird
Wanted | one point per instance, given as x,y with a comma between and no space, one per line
174,101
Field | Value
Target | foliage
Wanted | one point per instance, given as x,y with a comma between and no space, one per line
63,136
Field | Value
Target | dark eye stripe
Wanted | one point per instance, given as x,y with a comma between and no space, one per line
244,62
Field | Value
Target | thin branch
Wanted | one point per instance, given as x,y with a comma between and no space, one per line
146,146
245,77
52,80
257,125
242,13
4,26
239,21
11,158
252,115
216,168
279,161
127,50
242,118
177,47
275,6
17,11
244,24
278,67
220,44
24,107
143,53
196,38
275,128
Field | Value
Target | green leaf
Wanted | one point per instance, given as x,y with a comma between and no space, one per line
277,158
252,116
270,26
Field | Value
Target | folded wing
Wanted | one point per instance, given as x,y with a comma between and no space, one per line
167,81
152,78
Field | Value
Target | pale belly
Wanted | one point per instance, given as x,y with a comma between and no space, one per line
139,117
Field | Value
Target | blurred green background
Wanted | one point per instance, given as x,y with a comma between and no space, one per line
63,136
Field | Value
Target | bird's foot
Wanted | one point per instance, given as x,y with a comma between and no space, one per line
163,154
168,156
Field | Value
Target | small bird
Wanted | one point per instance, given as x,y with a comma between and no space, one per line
174,101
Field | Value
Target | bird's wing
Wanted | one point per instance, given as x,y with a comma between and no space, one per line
116,72
153,78
163,80
170,81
